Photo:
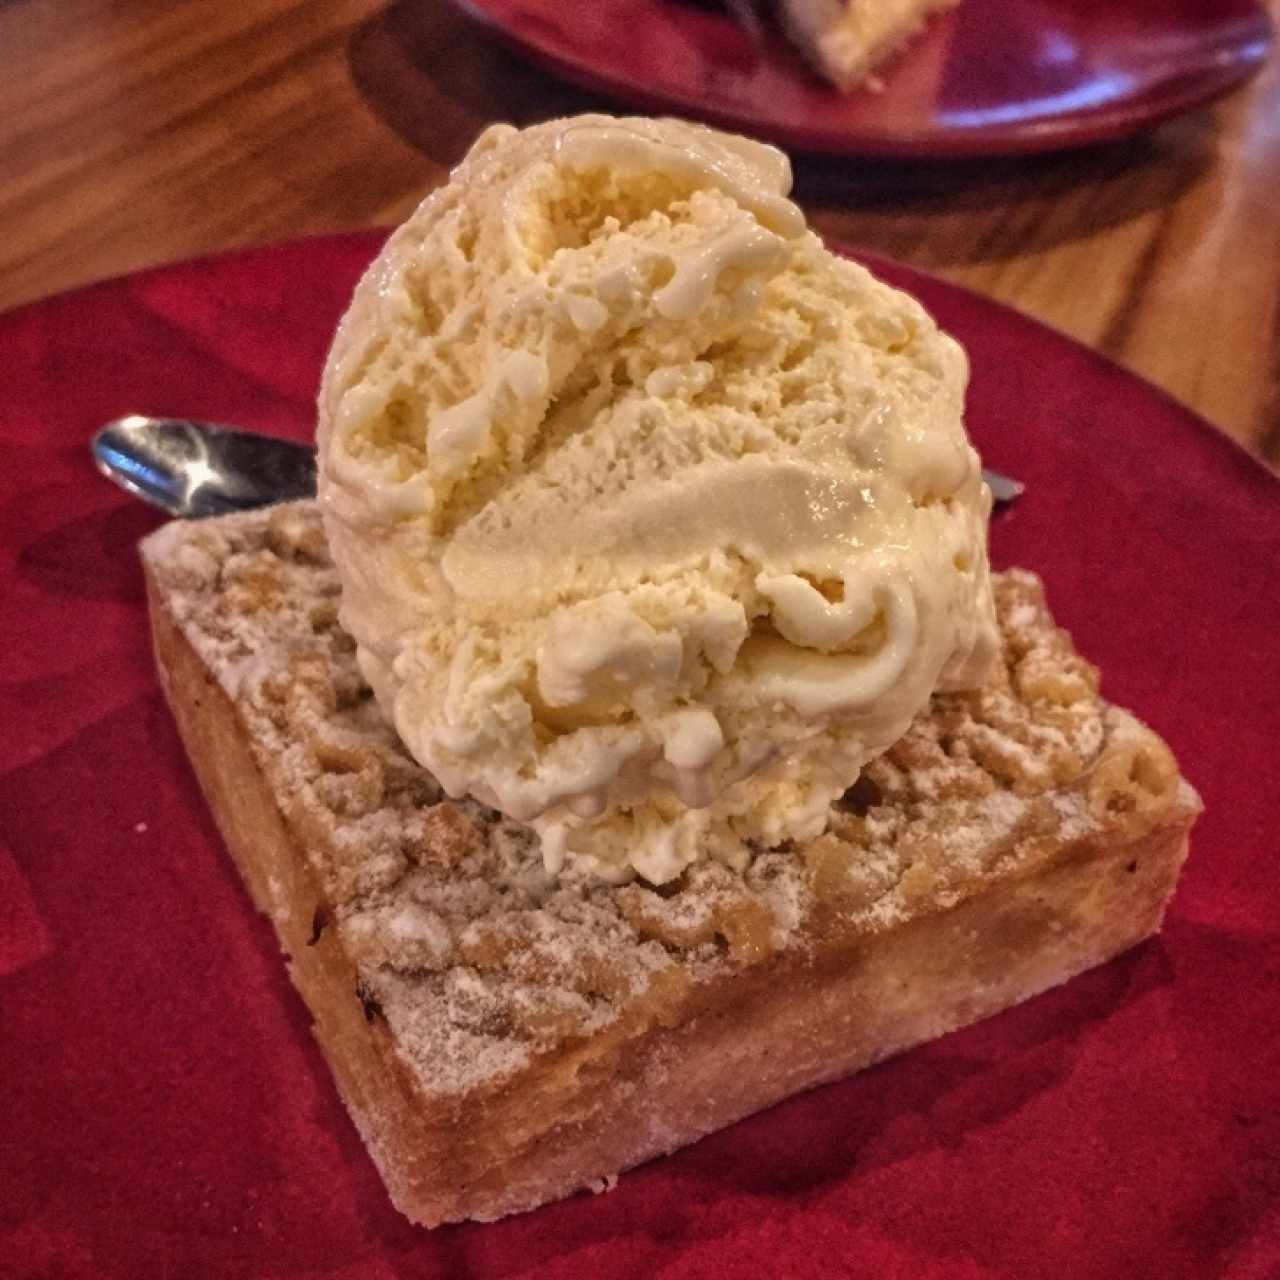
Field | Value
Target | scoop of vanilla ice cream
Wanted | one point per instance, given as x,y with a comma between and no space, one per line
656,521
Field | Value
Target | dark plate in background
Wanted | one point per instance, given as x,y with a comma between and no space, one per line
990,77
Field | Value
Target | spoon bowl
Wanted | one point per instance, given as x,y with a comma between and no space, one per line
194,469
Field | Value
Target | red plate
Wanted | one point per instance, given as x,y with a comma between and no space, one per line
991,77
166,1112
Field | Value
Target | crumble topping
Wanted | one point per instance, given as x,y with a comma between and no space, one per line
479,960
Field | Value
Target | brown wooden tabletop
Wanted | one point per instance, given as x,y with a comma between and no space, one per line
134,132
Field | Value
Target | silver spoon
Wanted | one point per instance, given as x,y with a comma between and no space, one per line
1004,489
193,469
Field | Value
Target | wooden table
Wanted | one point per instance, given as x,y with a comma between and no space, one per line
134,132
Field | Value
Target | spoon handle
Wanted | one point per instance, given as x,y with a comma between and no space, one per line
193,469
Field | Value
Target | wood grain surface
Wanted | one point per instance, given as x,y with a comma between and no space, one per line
135,132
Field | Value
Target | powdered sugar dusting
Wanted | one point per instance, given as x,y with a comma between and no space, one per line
479,961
